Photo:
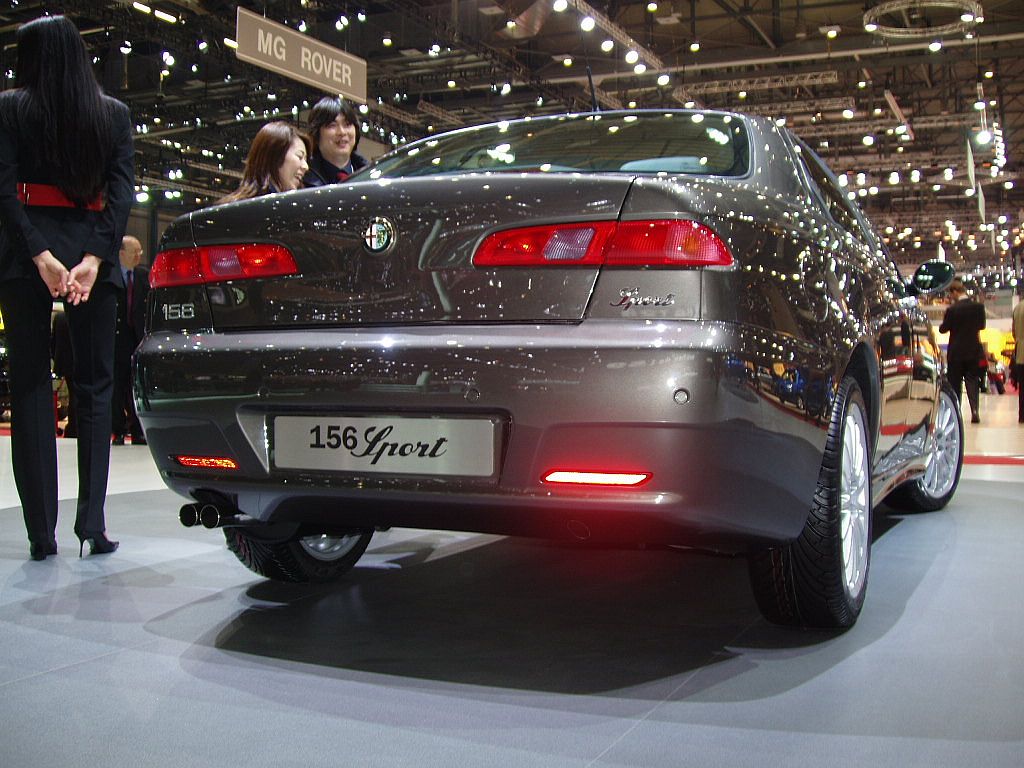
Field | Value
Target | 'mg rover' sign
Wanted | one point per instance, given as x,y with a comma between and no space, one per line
281,49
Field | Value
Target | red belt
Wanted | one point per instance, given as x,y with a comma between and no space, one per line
51,196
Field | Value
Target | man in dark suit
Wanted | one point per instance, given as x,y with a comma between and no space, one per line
131,323
965,356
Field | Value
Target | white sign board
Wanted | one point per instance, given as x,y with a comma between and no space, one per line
281,49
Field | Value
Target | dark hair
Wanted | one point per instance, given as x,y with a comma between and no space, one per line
64,105
326,111
266,154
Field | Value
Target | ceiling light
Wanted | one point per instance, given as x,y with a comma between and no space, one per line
848,114
742,94
386,40
862,83
567,61
230,43
831,31
506,89
935,46
663,79
164,16
451,83
652,7
989,74
203,46
142,8
302,26
984,136
640,68
560,5
870,27
632,57
694,46
868,140
587,23
607,46
126,48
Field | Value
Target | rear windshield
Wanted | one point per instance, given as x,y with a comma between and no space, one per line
700,143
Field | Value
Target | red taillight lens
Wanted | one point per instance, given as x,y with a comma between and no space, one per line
555,245
660,243
578,477
217,263
666,243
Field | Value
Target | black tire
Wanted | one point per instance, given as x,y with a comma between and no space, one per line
820,579
300,559
944,462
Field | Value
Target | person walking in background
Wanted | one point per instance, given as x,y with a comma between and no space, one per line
334,127
131,327
965,355
1017,327
276,162
66,187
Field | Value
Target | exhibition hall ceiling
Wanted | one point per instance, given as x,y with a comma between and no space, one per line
898,95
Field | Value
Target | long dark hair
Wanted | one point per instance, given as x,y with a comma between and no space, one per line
266,154
64,105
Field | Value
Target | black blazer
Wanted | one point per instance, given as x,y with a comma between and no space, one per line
67,232
321,173
136,324
963,321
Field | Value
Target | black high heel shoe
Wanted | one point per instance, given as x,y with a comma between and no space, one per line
99,544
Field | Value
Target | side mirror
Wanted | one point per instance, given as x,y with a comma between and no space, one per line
933,276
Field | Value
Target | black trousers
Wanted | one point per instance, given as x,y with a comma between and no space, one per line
1019,378
26,307
965,374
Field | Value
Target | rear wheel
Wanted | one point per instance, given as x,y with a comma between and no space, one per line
943,463
300,559
820,579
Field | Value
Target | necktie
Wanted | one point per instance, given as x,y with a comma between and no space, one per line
129,291
342,175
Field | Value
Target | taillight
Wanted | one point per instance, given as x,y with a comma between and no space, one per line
217,263
555,245
666,243
657,243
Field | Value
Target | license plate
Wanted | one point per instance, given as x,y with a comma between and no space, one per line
386,445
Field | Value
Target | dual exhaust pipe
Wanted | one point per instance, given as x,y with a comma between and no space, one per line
207,515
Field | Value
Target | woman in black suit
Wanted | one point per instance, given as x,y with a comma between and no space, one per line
66,185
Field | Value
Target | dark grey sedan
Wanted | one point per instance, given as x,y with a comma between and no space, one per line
633,327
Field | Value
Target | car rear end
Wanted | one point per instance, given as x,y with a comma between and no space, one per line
465,339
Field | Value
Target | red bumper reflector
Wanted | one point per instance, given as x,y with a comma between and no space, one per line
207,462
218,263
576,477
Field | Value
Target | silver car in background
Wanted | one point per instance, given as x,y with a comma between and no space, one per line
664,327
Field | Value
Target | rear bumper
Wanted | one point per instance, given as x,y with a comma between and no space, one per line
732,465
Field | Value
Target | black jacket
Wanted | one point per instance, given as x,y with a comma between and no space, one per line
321,173
68,233
963,321
133,328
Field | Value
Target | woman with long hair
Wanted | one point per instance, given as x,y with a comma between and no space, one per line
276,162
66,186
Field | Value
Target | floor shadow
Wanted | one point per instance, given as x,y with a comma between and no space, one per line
513,614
